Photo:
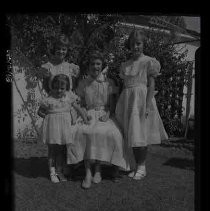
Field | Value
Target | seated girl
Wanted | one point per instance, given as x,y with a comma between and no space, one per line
101,141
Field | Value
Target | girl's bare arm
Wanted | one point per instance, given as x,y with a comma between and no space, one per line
82,113
150,91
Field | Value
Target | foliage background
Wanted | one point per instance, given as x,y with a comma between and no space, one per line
32,38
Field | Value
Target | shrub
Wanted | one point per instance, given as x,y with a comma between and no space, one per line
33,35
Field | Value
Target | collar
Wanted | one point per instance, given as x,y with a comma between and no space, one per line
101,78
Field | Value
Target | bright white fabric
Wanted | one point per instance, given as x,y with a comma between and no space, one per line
100,140
56,127
68,69
131,107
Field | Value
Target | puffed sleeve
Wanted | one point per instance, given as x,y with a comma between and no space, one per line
112,88
45,70
153,68
75,70
46,65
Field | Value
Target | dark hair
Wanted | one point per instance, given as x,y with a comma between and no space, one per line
135,33
97,55
61,77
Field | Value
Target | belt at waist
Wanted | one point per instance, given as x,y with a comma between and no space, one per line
97,108
58,112
127,86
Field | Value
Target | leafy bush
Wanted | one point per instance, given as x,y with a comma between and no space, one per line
174,75
33,37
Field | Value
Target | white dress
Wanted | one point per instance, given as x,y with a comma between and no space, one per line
68,69
154,126
56,127
131,106
101,141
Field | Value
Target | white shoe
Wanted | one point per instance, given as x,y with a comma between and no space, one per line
97,178
54,178
86,183
131,174
140,173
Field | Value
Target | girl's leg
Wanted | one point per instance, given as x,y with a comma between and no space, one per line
51,163
66,168
140,154
51,157
60,161
97,176
88,177
116,174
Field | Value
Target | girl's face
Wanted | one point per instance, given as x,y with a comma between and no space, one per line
61,52
95,68
59,88
137,46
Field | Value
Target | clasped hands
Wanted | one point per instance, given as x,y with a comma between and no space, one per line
105,117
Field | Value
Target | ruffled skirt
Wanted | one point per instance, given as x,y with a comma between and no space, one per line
56,129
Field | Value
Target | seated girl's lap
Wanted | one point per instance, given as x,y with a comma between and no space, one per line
107,128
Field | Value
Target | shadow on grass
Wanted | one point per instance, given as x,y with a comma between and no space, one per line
38,167
180,144
32,167
182,163
79,172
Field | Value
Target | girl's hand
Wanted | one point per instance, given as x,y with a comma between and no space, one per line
104,118
73,121
73,150
89,117
42,112
147,113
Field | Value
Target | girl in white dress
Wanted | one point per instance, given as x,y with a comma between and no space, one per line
136,110
56,127
101,141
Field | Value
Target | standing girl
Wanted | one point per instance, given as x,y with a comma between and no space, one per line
56,128
57,63
133,109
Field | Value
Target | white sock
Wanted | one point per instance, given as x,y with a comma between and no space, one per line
52,170
141,167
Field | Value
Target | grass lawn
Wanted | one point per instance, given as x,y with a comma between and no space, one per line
169,185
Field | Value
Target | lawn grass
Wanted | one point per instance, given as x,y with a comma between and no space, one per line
169,185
